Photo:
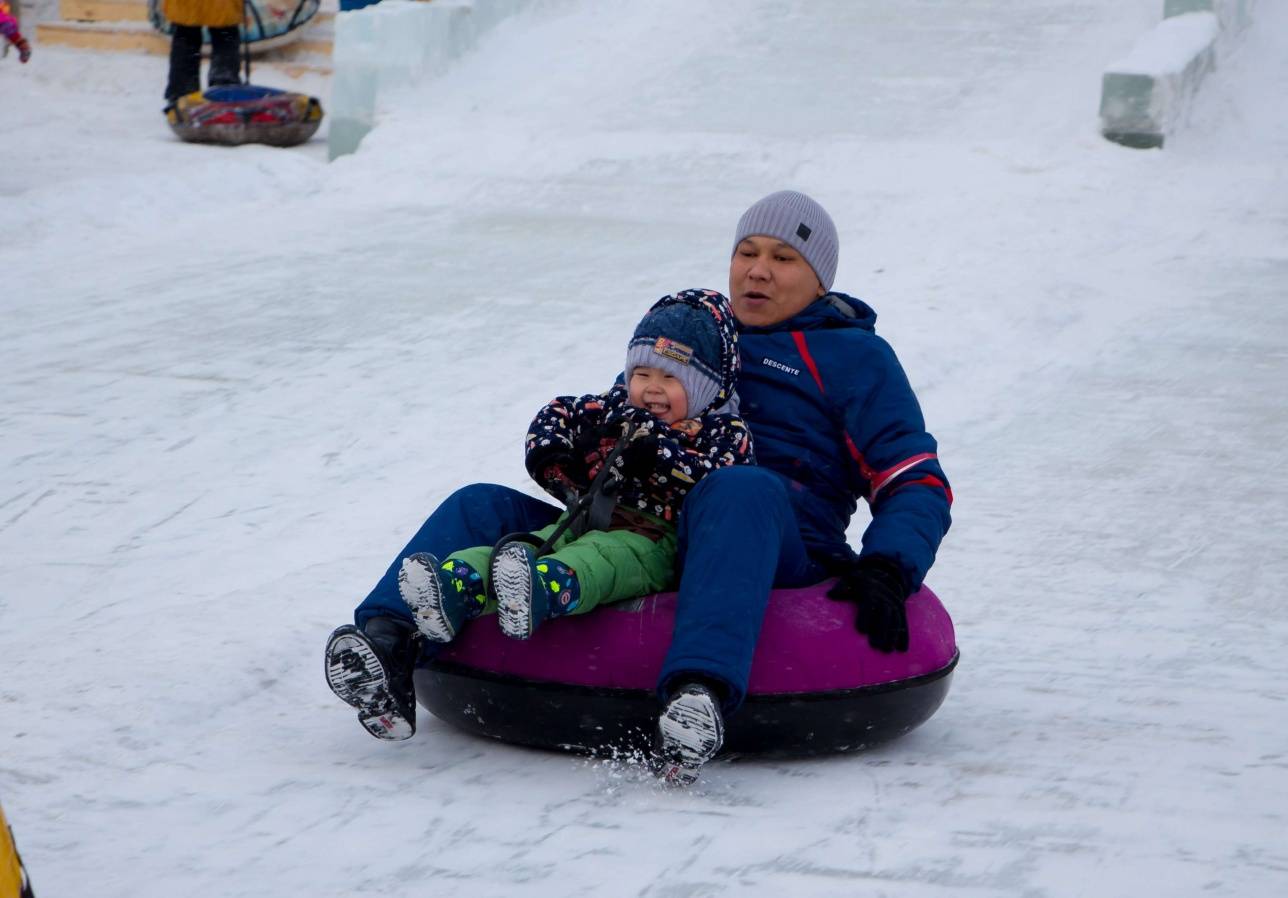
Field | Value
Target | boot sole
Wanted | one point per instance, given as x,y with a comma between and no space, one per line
512,576
691,732
422,592
359,679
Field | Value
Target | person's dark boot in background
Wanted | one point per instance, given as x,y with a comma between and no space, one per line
185,62
225,52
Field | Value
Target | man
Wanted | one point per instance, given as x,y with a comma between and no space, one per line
834,420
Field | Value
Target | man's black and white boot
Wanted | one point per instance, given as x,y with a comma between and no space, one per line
422,592
690,733
371,670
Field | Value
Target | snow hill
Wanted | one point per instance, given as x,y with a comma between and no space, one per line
234,382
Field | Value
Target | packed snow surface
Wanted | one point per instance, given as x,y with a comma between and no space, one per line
235,381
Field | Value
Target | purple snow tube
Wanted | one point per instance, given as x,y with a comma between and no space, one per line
586,682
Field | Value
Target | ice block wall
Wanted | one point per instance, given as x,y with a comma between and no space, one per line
395,44
1147,94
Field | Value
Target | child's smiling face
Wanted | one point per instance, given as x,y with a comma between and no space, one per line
660,392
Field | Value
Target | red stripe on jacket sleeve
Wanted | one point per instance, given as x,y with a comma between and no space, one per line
882,479
928,480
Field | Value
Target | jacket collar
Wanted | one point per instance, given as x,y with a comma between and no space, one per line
832,310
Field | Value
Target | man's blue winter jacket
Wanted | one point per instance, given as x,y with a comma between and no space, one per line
831,410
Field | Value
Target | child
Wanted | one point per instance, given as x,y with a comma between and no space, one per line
677,403
9,28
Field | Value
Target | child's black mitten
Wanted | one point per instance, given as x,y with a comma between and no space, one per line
639,459
557,469
593,444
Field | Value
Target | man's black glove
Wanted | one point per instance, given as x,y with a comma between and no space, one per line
880,590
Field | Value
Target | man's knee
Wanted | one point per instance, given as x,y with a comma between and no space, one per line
742,486
475,496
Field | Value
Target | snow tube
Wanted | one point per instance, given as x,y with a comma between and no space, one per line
244,113
266,24
13,876
586,683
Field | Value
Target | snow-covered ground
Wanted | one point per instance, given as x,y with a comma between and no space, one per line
234,381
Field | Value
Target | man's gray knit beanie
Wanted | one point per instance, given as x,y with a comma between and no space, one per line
799,222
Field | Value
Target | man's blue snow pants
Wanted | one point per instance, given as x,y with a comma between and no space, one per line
738,539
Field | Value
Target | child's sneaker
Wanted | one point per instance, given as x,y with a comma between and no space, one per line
531,590
690,733
372,671
438,613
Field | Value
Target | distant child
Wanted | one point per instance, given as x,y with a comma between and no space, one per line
9,28
678,404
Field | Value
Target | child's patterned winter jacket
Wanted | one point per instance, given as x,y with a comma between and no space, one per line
687,450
